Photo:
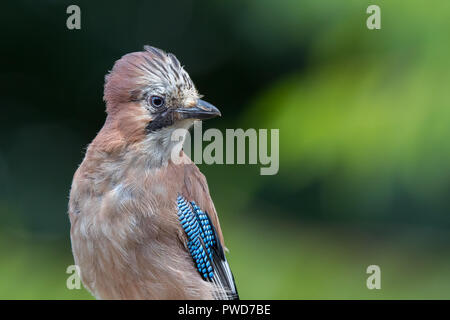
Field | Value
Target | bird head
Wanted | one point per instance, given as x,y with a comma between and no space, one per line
148,94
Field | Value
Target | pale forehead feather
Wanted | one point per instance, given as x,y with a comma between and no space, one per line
164,69
152,69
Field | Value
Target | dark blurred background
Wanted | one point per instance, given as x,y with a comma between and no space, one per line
363,116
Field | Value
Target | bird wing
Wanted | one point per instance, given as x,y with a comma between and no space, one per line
206,249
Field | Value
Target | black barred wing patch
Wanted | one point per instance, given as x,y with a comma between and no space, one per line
205,248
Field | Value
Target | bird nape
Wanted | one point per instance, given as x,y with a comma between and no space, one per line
143,225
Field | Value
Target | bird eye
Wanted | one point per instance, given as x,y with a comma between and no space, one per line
157,101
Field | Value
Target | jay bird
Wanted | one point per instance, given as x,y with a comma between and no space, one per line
142,225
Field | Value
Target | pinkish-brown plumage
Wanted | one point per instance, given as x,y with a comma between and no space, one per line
126,237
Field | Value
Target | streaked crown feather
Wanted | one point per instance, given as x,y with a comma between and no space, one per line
151,70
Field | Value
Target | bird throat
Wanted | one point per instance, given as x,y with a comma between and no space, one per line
164,140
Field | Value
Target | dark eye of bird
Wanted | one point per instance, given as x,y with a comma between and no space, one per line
157,101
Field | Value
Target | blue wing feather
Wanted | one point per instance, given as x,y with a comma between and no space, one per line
205,248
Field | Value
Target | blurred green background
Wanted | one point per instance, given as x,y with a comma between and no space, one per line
363,116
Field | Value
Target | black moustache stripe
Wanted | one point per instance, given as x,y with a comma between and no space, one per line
162,120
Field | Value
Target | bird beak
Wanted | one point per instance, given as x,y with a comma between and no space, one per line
202,111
